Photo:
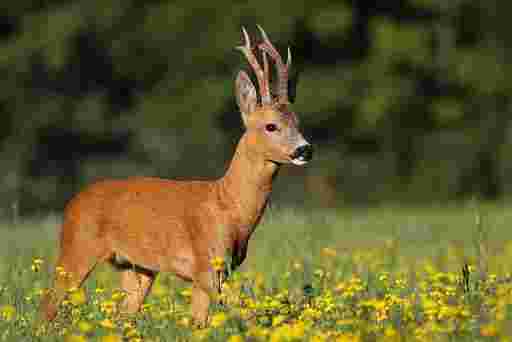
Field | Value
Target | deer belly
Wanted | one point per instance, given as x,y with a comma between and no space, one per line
155,253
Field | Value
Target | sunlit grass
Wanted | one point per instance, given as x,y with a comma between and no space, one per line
388,274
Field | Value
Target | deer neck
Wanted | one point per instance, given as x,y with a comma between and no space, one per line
246,187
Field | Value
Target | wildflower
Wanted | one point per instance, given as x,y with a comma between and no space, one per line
289,332
277,320
297,266
257,332
118,295
328,252
99,290
111,338
59,270
131,333
107,323
185,322
348,337
400,283
75,338
146,307
201,334
36,264
236,338
218,264
348,322
108,307
489,330
7,312
218,320
77,296
84,326
187,293
389,332
319,273
319,337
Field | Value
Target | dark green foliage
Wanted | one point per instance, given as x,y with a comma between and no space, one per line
407,100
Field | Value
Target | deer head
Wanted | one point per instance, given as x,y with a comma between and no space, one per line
271,126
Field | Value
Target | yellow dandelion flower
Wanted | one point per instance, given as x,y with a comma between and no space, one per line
131,333
185,322
328,252
257,332
235,338
187,293
390,332
84,326
277,320
99,290
7,312
118,295
128,325
218,264
218,320
36,264
342,322
75,338
146,307
201,334
319,337
319,273
108,307
111,338
348,337
78,297
107,323
59,270
489,330
384,276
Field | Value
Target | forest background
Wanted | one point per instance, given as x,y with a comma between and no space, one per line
406,101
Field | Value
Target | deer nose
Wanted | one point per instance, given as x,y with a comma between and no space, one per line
303,153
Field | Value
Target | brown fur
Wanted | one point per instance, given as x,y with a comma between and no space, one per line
176,226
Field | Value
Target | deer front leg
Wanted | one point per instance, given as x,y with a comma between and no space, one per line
200,305
206,288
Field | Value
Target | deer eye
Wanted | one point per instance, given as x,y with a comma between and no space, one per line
270,127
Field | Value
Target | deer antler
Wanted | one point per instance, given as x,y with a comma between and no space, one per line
282,69
262,76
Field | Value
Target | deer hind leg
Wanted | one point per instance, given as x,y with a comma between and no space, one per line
136,283
73,267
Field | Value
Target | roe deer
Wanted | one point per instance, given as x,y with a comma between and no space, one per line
153,224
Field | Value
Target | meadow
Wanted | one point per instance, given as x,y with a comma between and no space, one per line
440,273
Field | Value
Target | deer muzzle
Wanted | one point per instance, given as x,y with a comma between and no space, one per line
302,154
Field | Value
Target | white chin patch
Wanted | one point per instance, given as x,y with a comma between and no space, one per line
299,161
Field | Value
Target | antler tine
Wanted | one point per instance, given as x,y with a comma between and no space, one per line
262,77
266,69
282,69
289,59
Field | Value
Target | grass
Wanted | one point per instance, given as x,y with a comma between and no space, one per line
390,273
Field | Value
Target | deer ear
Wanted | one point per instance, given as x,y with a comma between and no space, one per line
246,97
